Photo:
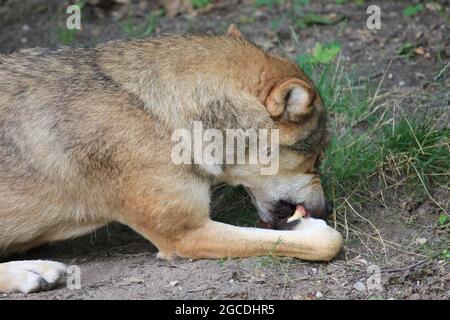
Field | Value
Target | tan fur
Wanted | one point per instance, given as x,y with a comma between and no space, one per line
85,140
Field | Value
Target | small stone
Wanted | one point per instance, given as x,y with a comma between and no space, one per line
390,76
25,28
420,75
361,262
419,51
421,241
23,40
290,49
415,296
359,286
173,283
133,280
319,295
401,83
407,204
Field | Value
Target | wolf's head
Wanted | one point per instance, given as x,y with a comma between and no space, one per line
296,108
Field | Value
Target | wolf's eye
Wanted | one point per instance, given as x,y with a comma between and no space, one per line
319,160
317,163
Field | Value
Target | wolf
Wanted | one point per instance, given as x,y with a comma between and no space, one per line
85,140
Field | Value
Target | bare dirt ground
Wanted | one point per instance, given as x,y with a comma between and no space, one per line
403,239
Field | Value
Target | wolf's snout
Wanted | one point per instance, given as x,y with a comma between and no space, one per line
284,209
319,209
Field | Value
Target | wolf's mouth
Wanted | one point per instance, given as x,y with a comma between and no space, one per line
300,213
283,222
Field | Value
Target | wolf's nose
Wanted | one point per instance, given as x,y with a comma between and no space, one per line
329,206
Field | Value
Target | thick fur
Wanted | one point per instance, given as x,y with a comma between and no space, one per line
85,139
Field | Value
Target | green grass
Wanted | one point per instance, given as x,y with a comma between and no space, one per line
443,219
322,54
296,5
412,10
445,254
200,3
270,258
66,36
134,29
371,145
268,3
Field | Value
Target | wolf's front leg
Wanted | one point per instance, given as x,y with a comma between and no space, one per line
30,275
311,240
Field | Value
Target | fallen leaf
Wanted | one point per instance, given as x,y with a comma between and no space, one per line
419,51
312,18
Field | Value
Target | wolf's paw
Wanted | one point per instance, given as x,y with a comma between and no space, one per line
325,240
165,255
30,275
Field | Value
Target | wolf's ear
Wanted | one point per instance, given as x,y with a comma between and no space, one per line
292,97
235,32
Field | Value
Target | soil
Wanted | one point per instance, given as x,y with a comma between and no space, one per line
116,263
